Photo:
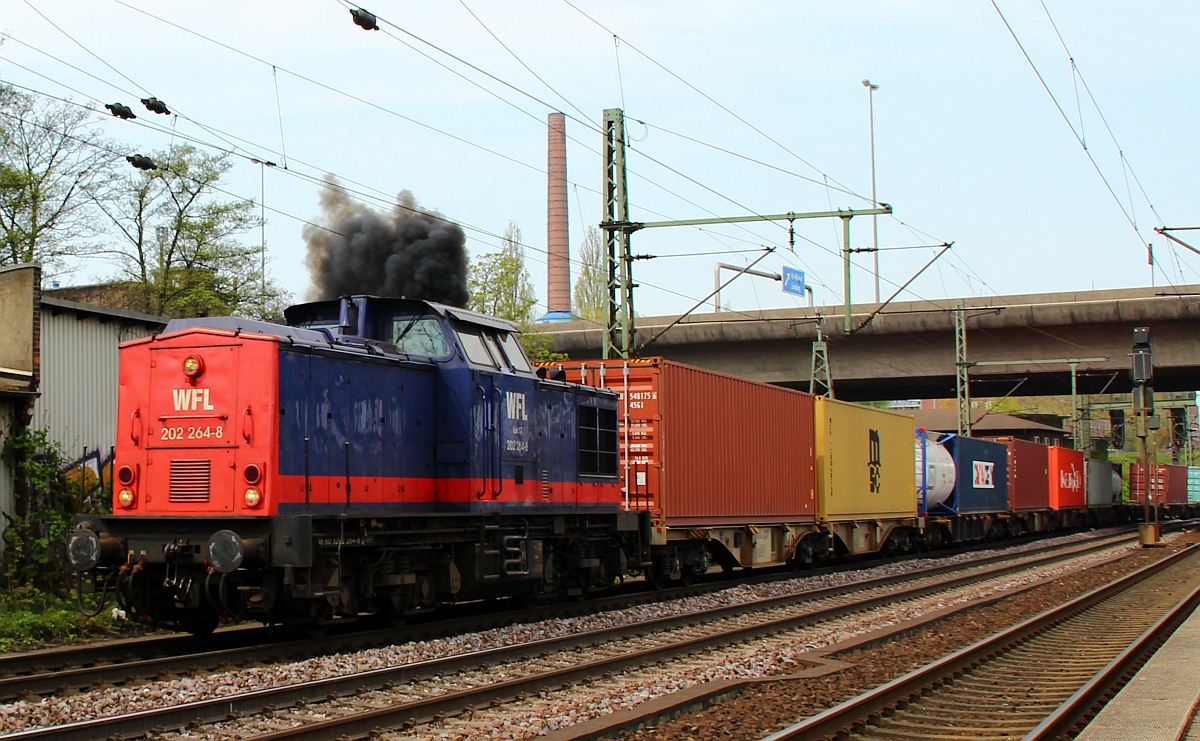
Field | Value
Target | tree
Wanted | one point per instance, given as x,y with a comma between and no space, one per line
591,288
177,244
499,283
49,161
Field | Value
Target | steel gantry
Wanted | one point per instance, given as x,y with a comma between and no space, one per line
620,330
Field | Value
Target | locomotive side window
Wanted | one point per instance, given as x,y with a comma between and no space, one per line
514,353
419,336
597,441
477,352
493,348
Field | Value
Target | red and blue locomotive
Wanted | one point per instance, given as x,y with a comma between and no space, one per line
373,456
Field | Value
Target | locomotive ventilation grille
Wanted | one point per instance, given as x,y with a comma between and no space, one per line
190,479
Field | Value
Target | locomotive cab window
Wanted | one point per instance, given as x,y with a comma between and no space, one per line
597,441
473,345
419,335
514,352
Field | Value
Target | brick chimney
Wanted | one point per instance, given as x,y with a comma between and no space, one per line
558,289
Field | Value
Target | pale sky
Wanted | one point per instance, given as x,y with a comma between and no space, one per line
969,146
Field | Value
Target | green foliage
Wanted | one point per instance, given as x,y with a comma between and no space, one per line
590,297
49,158
499,284
179,250
537,345
30,618
44,506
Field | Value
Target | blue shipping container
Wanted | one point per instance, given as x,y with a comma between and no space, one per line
981,483
1193,484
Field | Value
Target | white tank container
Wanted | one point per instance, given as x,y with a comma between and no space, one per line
938,467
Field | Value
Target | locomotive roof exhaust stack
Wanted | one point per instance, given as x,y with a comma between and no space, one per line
348,317
558,247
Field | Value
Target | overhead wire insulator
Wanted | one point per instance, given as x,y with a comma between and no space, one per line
142,162
364,19
120,110
154,105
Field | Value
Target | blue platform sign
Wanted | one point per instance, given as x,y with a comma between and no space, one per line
793,281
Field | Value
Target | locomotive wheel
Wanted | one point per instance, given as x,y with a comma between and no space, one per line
392,615
576,585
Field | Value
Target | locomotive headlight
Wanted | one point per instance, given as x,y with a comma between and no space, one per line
252,496
193,366
125,497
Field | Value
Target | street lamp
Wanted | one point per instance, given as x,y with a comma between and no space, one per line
871,88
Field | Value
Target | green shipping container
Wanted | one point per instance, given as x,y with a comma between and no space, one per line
1193,485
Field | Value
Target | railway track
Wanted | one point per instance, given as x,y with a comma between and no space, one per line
26,676
1034,681
403,694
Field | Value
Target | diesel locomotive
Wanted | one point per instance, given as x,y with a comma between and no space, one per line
372,456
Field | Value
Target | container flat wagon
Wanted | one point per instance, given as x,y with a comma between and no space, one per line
976,505
866,494
725,465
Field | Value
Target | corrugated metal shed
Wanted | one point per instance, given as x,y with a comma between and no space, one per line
78,402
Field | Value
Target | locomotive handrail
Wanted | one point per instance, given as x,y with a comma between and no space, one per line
497,442
483,489
247,424
135,426
164,417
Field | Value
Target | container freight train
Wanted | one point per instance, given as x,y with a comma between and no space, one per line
387,456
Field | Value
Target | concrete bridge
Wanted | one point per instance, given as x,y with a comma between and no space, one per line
907,349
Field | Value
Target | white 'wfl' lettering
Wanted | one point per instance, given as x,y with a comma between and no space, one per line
191,400
516,405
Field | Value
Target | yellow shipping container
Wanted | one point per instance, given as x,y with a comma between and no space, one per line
865,463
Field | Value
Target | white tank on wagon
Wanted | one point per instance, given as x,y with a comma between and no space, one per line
935,472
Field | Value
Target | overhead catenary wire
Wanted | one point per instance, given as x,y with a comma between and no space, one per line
1129,217
274,68
118,154
1126,168
695,89
825,249
334,89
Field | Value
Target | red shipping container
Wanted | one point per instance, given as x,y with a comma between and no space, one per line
1158,487
1028,475
1066,478
706,448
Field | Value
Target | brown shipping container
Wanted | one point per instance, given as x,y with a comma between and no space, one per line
707,448
1137,483
1028,475
1176,484
865,462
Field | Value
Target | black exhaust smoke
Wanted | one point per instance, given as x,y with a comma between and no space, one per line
411,254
